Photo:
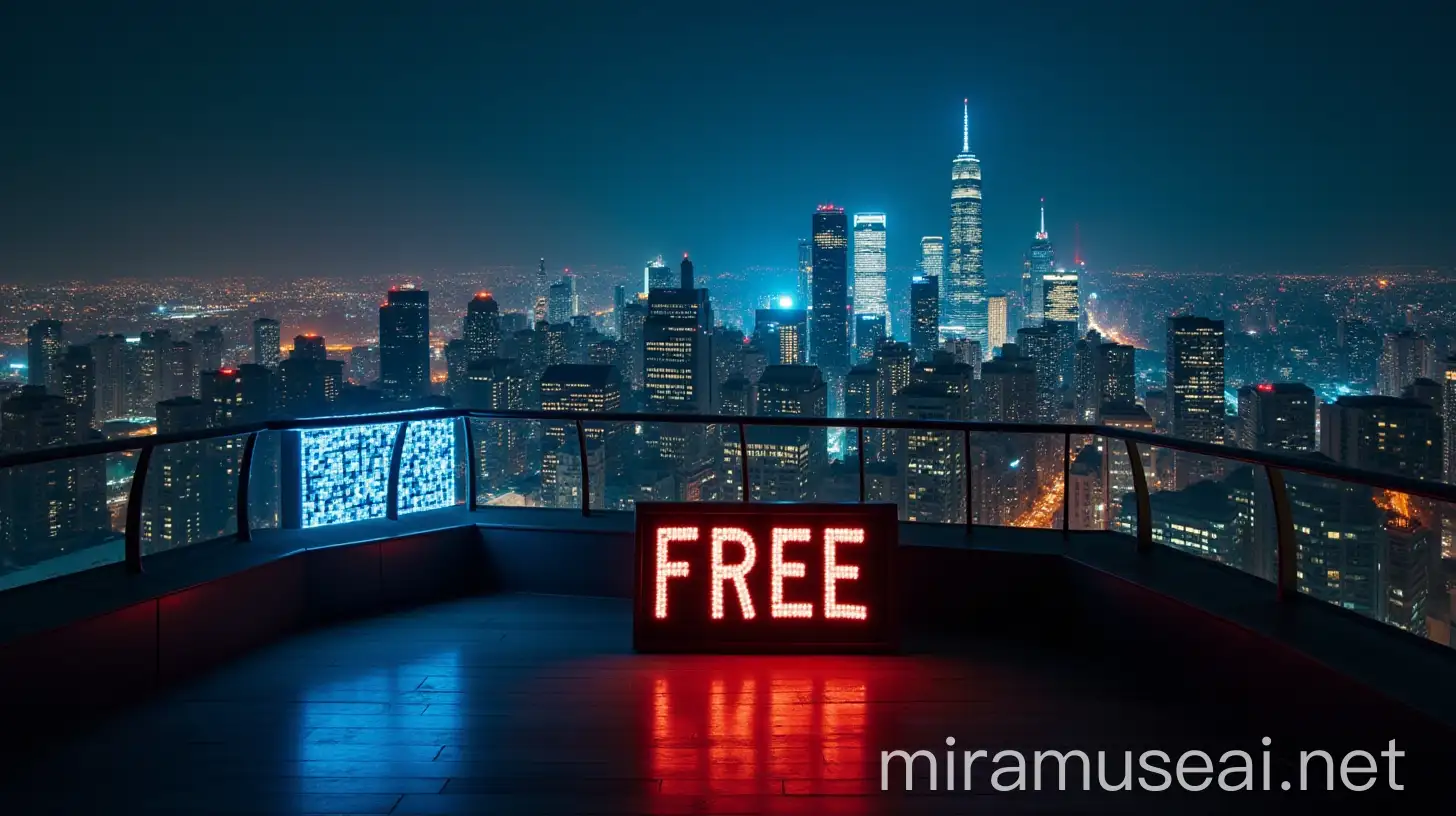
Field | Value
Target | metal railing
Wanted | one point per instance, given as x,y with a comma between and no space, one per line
1275,465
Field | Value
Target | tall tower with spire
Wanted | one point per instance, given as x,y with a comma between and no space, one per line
1040,262
964,314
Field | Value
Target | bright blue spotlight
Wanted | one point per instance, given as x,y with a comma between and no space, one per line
786,302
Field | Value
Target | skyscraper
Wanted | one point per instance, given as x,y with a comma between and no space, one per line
782,334
1039,263
785,464
829,321
542,287
686,276
208,343
1195,387
677,367
965,290
112,358
869,266
1116,374
1384,434
404,344
74,378
1061,309
869,332
55,507
932,256
1277,417
267,341
925,316
44,344
998,315
561,304
496,384
1406,357
658,275
1042,344
482,328
806,272
572,387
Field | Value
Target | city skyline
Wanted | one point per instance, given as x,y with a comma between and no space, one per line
1156,174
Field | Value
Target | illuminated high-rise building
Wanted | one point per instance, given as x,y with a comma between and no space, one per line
1405,357
869,266
931,461
54,507
496,384
561,303
1039,263
179,371
309,347
1061,310
677,366
1195,354
1009,387
1116,373
267,341
932,256
829,318
805,293
784,464
629,326
1383,434
208,343
925,316
782,334
592,388
1448,398
112,358
482,328
404,344
73,377
1043,345
542,293
45,342
1277,417
869,333
658,275
965,283
998,326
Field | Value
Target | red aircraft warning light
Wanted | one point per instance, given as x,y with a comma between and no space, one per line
772,578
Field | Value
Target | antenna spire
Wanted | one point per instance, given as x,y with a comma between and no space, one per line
1043,216
966,126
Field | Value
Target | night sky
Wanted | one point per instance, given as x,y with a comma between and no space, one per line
367,137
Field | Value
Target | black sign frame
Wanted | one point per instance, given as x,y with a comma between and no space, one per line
694,630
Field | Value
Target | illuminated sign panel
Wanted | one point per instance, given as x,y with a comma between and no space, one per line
764,577
342,474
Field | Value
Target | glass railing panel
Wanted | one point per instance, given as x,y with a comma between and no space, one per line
508,456
922,472
655,461
265,485
1017,479
190,494
1215,508
1376,552
793,464
62,517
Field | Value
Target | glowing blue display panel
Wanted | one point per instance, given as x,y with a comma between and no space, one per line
344,472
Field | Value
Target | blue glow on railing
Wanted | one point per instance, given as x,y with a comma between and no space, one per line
427,467
344,472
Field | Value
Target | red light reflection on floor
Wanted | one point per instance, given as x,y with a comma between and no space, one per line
763,726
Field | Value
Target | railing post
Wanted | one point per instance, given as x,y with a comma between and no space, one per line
1140,493
970,482
743,459
470,477
133,534
1066,486
585,475
859,443
245,478
396,456
1286,556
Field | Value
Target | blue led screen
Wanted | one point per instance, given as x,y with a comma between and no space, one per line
344,472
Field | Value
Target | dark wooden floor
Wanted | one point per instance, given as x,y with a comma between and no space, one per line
536,705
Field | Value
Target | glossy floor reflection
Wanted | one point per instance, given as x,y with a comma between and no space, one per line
536,705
